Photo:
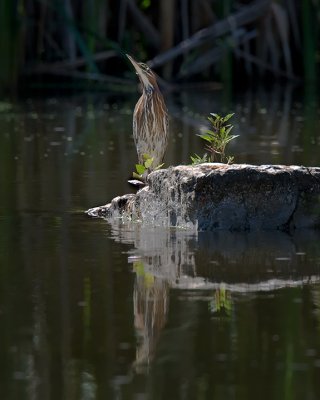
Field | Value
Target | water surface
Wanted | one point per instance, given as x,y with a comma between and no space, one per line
98,311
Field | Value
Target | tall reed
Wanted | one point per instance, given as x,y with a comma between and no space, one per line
309,41
10,41
42,32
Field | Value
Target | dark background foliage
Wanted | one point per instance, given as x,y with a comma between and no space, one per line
183,40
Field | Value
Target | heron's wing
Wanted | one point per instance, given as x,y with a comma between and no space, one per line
136,125
134,130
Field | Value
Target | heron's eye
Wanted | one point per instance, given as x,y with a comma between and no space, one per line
145,67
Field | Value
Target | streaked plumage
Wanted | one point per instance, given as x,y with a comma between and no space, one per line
150,118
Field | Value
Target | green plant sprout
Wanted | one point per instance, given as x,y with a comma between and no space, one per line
196,159
217,140
143,169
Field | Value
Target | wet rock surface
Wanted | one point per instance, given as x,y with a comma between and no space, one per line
224,197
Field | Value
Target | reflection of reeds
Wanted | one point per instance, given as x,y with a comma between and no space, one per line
316,302
151,303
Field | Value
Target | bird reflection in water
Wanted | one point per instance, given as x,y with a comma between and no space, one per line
151,305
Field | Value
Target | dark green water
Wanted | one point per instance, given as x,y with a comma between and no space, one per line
90,310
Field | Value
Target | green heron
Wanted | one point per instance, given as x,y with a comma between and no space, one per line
150,118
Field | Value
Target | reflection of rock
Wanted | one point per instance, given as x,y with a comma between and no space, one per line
224,197
242,261
262,260
213,265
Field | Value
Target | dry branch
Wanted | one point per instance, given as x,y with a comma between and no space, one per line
245,16
205,60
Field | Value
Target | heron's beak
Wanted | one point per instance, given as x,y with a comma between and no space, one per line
144,80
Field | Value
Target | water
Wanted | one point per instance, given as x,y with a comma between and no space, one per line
97,311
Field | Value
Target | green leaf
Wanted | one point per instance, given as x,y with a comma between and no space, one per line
207,138
227,117
216,116
228,129
137,176
233,137
193,159
140,169
146,157
196,159
148,163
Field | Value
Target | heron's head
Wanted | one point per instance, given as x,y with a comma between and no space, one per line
146,76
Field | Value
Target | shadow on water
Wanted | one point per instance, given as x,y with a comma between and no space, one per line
89,310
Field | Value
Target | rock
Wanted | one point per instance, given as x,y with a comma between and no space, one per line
224,197
115,209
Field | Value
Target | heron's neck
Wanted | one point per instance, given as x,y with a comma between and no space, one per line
149,90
